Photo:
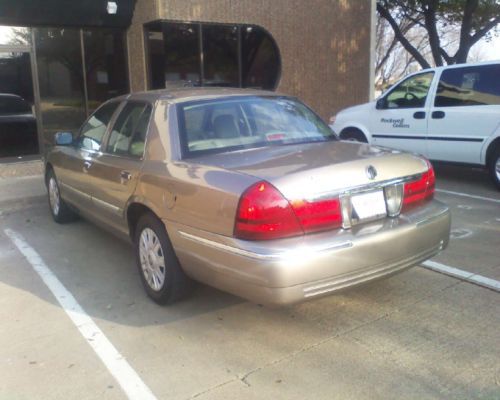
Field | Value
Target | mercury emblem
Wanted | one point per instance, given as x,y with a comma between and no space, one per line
371,172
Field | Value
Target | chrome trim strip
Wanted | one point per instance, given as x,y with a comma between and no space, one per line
254,255
107,205
72,189
363,188
430,219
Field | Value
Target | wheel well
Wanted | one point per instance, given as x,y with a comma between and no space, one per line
356,131
491,148
134,212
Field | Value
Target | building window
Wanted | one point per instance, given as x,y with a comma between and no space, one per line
205,54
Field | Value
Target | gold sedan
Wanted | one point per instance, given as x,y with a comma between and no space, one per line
248,191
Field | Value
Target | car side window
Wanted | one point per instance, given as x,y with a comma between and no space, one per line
93,130
469,86
411,93
128,135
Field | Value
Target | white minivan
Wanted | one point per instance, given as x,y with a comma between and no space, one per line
447,113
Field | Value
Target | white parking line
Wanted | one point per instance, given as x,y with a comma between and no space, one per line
464,275
472,196
127,378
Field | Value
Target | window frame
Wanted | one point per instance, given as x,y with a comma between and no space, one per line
385,105
105,142
159,22
181,129
106,132
463,69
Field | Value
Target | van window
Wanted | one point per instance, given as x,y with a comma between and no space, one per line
469,86
411,93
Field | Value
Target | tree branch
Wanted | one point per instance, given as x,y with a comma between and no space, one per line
384,13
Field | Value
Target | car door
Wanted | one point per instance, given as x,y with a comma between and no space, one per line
400,118
76,161
466,111
116,169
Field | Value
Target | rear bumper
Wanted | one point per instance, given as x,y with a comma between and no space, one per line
291,270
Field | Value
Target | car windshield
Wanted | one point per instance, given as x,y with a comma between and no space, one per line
215,126
10,105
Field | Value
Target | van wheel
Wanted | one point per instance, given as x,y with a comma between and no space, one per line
494,167
58,208
161,274
353,135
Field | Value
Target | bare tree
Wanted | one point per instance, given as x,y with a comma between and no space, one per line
469,20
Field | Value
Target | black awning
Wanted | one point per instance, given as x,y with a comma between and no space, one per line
80,13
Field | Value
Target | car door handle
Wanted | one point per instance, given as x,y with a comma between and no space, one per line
125,175
86,165
419,115
438,114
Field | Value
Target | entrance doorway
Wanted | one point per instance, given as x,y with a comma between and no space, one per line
18,124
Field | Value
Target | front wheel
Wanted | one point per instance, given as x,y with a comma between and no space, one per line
161,274
58,208
494,167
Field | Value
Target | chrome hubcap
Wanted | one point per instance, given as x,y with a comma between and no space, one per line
497,168
54,198
152,259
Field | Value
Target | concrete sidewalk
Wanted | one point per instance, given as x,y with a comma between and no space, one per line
20,192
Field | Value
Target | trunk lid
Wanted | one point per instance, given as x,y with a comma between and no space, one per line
316,169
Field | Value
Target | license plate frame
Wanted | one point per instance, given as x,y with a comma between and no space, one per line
367,206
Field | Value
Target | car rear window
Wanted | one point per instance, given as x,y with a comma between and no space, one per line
212,126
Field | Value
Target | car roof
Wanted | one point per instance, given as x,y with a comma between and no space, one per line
188,94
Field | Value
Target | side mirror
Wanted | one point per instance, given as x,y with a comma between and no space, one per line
380,104
63,138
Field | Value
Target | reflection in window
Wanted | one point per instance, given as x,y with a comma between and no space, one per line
229,55
220,55
182,56
60,75
260,60
105,63
411,93
15,36
93,130
469,86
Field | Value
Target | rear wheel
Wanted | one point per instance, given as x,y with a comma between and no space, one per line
353,135
161,274
58,208
494,167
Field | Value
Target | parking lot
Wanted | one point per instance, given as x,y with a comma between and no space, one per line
76,322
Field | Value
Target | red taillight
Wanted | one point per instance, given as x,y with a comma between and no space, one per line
420,190
263,214
319,215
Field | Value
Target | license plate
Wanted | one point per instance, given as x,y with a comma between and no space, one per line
368,206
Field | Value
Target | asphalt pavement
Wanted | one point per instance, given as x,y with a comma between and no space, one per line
76,323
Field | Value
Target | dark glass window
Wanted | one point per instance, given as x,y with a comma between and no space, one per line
260,59
105,65
469,86
156,52
220,55
411,93
60,76
129,131
93,130
226,124
184,54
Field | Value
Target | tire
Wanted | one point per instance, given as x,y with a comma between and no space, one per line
353,135
494,167
59,210
161,274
